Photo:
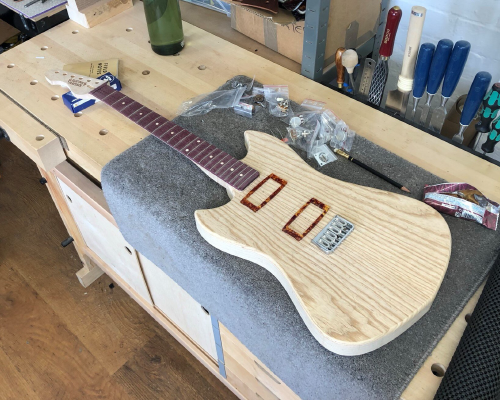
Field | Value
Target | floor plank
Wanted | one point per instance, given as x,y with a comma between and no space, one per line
165,370
60,340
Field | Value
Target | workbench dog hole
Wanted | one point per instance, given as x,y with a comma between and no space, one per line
438,370
33,82
40,138
11,65
146,72
78,114
467,317
75,31
129,29
55,97
44,48
103,132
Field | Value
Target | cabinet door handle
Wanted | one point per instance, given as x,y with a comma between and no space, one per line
266,372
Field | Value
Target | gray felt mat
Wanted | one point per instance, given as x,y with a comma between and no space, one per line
153,192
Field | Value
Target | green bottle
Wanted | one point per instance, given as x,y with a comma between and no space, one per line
164,25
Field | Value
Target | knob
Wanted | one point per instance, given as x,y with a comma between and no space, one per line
67,241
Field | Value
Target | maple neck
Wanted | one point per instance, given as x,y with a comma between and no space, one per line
224,168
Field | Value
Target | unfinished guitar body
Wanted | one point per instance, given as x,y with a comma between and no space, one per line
379,280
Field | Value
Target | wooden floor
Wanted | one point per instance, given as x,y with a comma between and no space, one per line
59,340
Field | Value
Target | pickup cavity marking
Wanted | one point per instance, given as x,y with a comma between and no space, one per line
255,208
299,236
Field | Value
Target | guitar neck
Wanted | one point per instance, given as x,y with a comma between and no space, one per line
226,169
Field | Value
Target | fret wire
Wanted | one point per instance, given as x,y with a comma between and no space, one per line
186,147
120,99
183,131
209,154
237,176
195,148
140,108
159,116
221,164
215,160
175,134
183,147
166,120
228,166
144,116
210,148
169,129
235,172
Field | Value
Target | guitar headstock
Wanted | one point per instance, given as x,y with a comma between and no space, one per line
80,85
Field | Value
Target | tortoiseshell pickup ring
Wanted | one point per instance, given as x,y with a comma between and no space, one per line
255,208
300,236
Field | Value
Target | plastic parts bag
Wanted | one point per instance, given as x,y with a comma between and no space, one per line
278,100
205,103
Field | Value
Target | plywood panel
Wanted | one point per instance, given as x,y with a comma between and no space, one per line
102,237
179,307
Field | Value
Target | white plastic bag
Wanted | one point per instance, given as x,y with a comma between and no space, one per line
205,103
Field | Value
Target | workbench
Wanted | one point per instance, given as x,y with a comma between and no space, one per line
71,151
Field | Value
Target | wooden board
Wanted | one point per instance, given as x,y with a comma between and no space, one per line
179,307
379,281
175,79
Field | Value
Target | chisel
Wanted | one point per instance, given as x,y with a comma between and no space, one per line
476,93
456,65
397,100
436,73
382,69
421,75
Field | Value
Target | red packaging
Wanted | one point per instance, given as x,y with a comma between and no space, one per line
463,201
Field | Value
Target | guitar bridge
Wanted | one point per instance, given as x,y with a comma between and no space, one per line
333,234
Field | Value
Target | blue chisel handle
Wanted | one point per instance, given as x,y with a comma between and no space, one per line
455,67
438,65
478,89
422,69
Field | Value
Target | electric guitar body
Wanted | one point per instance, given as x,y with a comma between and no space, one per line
361,265
379,281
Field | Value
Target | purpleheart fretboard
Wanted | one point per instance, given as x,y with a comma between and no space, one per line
225,167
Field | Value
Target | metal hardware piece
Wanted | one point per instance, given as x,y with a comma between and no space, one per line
333,234
323,155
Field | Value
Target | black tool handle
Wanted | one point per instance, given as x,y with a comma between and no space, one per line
493,137
491,107
375,172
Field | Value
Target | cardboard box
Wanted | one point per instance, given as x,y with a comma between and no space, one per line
351,23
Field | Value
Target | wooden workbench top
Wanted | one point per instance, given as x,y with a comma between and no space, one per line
174,79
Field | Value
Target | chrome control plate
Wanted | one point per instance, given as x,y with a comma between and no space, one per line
333,234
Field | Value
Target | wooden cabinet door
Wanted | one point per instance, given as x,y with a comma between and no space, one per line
179,307
105,240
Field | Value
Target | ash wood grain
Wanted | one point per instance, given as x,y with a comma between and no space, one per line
373,287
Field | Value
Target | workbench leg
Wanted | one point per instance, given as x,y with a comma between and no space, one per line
90,271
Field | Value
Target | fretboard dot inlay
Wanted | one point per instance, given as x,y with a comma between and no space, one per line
202,153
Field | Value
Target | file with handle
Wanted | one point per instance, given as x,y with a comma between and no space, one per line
452,76
478,89
436,73
421,75
381,72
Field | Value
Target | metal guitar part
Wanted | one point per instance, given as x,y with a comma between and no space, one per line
366,76
324,155
333,234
